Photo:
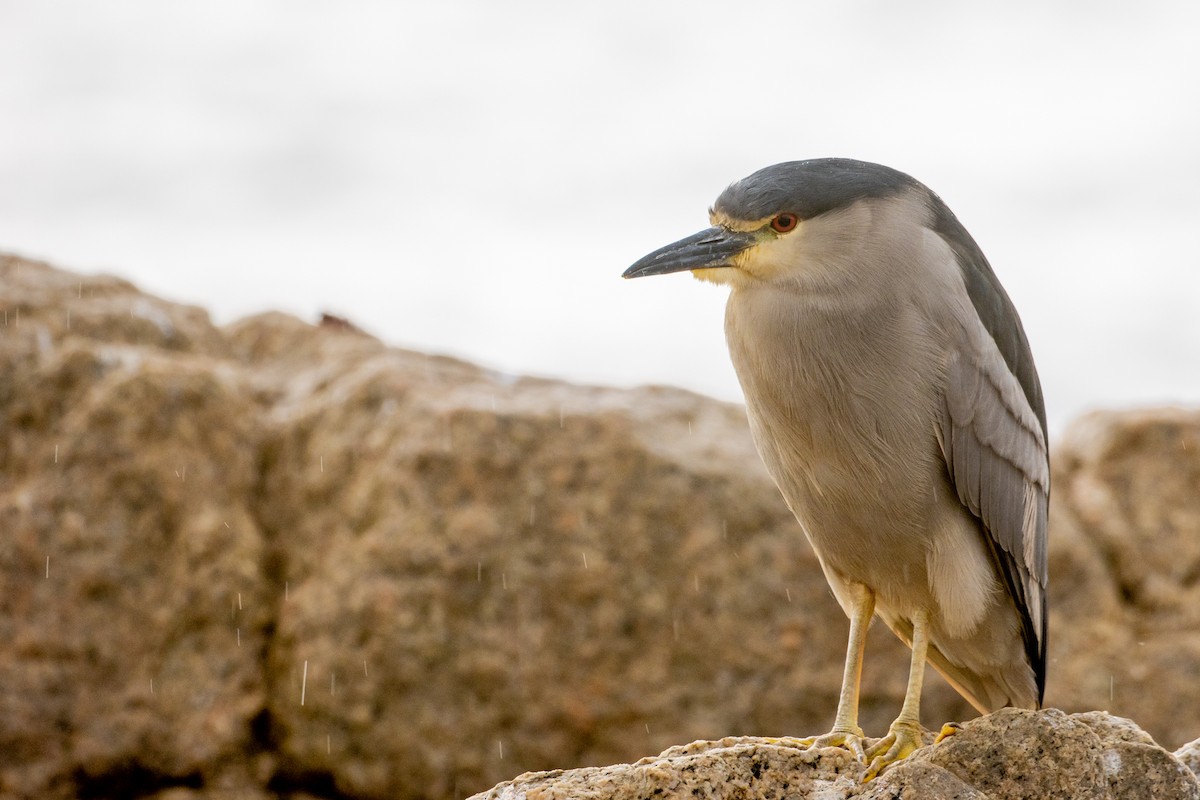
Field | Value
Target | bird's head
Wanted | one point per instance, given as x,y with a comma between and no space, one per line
778,222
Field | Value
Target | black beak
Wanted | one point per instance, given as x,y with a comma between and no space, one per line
707,249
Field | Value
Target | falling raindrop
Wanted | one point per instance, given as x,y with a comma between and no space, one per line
364,668
152,686
55,454
647,724
226,524
504,579
696,582
239,601
304,682
47,567
1110,688
689,427
239,637
501,744
285,591
788,592
328,744
322,463
585,566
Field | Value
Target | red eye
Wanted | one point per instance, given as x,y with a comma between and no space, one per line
784,223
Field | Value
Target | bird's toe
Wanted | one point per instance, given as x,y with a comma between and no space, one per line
902,740
948,730
851,739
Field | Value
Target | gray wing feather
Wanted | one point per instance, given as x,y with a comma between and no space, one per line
992,304
996,462
993,435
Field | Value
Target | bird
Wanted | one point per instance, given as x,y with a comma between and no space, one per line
892,395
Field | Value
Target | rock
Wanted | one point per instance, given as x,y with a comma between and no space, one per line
130,565
1023,754
1125,568
1189,756
355,569
543,574
1009,755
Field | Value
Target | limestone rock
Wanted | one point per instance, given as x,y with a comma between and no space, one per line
131,602
1189,756
1125,568
1009,755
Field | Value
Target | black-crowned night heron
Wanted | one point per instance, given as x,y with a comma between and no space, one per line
893,397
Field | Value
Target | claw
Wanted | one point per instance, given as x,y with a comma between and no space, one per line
851,739
902,740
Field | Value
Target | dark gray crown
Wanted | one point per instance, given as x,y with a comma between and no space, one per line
810,188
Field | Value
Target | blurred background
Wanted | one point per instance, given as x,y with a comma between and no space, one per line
471,178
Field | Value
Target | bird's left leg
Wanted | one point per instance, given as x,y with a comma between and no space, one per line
904,735
846,732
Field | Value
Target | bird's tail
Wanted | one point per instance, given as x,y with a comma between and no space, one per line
989,692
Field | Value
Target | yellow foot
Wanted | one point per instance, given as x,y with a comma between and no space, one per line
903,738
849,738
948,730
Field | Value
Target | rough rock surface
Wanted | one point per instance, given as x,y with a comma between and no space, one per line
1189,755
276,558
1009,755
1125,568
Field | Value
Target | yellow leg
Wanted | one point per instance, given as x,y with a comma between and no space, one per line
904,735
846,732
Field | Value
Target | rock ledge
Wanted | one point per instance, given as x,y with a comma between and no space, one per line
1009,755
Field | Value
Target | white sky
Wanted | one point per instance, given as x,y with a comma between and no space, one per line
472,178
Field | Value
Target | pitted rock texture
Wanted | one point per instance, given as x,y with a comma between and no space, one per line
1008,755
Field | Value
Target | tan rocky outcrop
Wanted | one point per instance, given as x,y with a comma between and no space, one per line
1009,755
277,557
1125,569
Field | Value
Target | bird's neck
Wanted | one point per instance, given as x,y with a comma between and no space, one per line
813,369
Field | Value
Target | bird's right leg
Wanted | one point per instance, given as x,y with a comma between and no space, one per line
846,732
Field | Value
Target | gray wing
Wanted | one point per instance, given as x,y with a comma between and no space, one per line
993,437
